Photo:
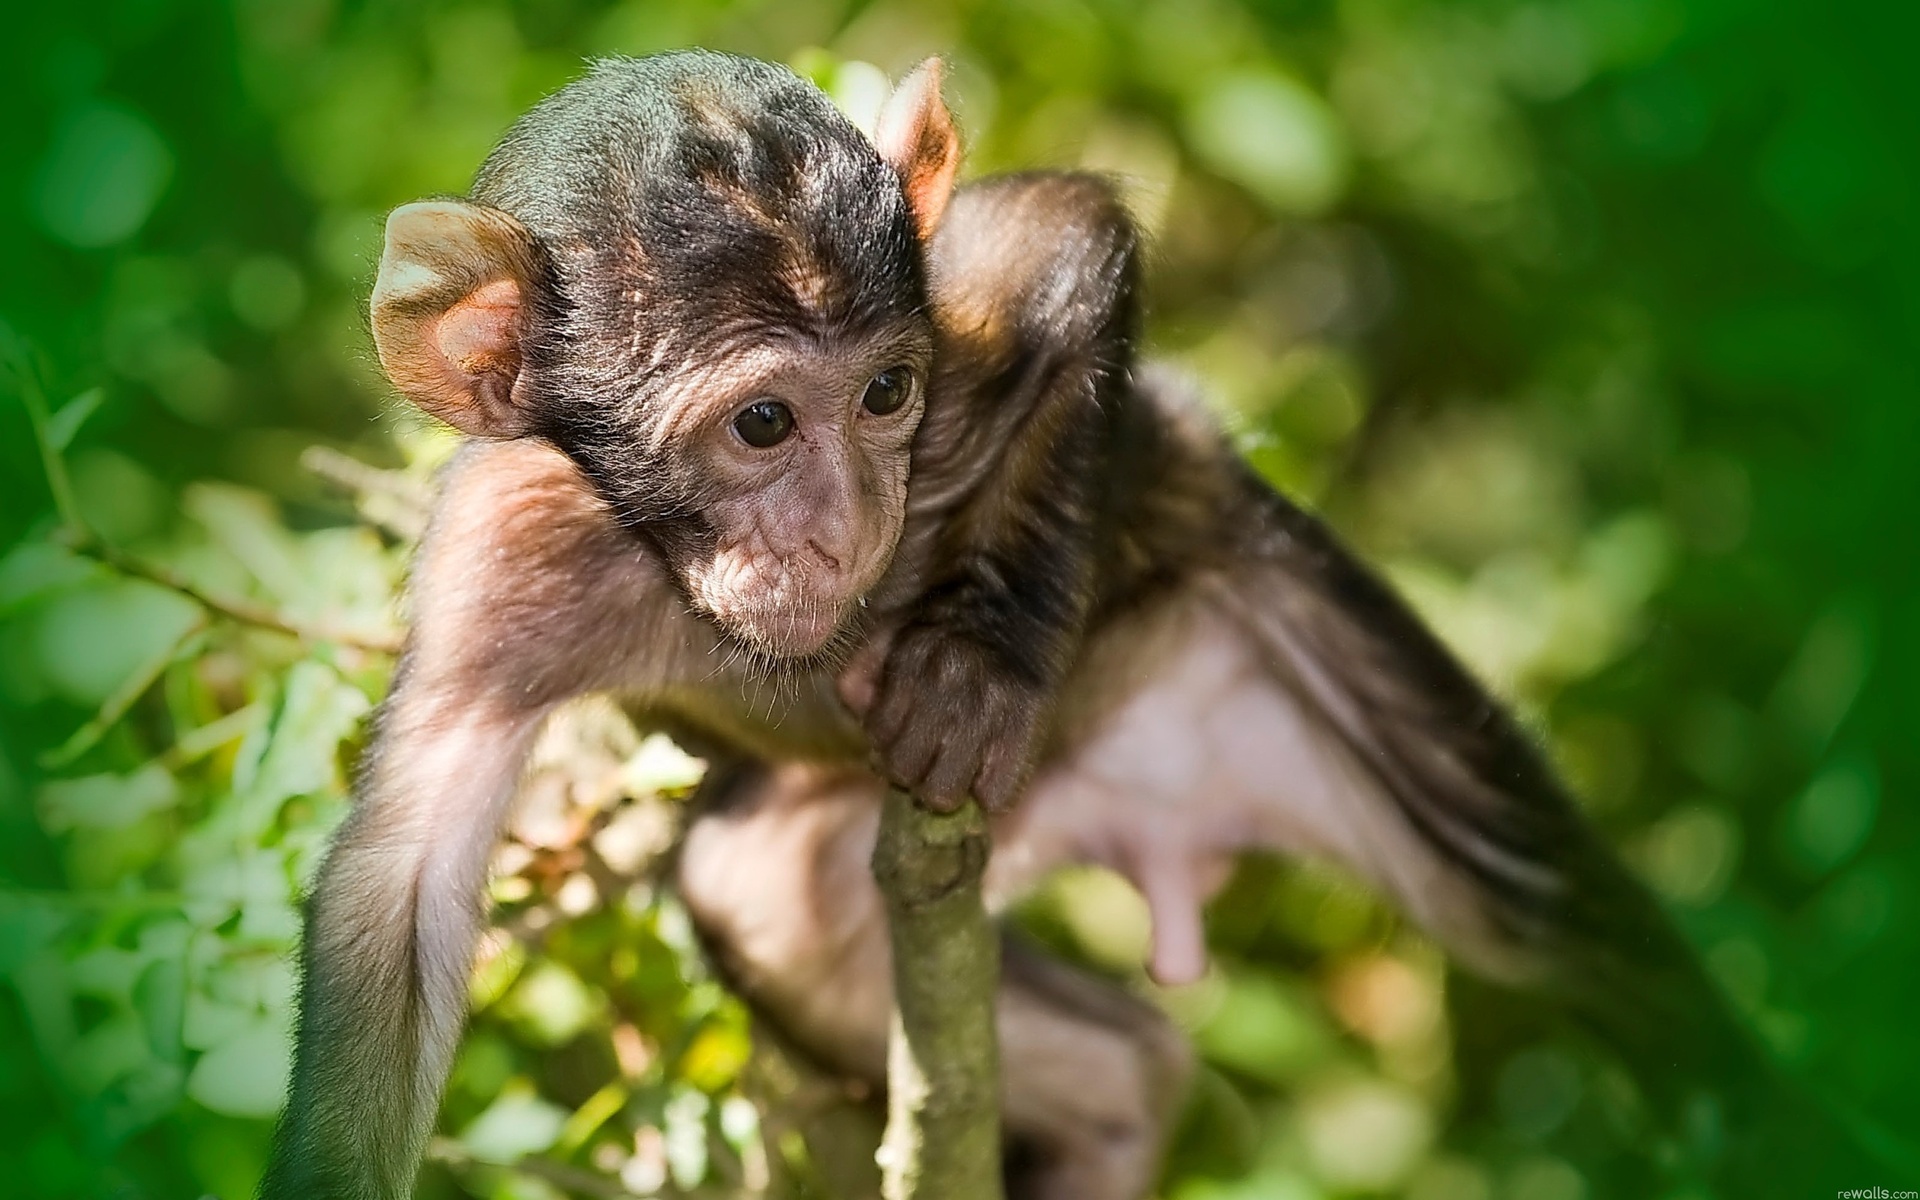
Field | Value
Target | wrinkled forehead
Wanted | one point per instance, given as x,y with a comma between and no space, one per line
730,279
708,324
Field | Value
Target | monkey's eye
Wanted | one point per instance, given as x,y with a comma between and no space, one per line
888,391
764,423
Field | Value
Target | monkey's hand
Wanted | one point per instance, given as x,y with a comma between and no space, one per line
948,719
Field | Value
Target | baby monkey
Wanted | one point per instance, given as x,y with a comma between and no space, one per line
755,399
685,318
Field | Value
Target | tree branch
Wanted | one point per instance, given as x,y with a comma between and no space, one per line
234,608
393,500
943,1059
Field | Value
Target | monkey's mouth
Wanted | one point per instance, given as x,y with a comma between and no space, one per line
792,634
785,616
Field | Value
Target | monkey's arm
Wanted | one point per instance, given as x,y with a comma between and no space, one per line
515,593
1034,280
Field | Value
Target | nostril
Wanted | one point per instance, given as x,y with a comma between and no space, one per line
831,563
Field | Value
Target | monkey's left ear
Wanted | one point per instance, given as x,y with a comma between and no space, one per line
917,136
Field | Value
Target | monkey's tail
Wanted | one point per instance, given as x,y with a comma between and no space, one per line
1474,789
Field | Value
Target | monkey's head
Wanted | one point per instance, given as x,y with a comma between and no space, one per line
697,279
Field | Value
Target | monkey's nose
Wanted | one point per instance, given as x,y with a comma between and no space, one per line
827,560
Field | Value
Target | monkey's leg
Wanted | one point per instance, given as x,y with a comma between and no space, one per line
519,559
1290,703
1090,1075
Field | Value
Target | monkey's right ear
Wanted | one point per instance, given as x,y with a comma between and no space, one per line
450,312
916,135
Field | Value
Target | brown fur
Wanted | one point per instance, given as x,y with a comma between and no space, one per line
1082,599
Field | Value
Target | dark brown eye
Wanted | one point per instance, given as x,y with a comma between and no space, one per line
888,391
764,423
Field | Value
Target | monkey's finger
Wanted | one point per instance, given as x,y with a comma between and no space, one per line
889,715
910,756
945,786
1002,774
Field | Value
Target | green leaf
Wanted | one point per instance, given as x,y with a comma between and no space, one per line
63,425
519,1123
247,526
26,928
253,880
318,711
114,1048
106,973
1264,1029
246,1074
351,578
93,639
160,995
550,1005
660,766
106,801
208,1021
35,570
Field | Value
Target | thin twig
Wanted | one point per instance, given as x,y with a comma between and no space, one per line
18,361
393,500
79,537
236,608
351,474
123,698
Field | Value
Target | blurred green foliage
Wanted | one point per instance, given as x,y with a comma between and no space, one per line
1591,321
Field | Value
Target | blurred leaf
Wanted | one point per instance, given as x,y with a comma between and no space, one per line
207,1022
114,1048
248,884
550,1004
715,1057
1829,821
246,525
661,766
245,1073
1274,136
102,175
1364,1135
686,1135
318,710
66,422
35,570
106,973
26,928
517,1124
1264,1029
92,639
106,801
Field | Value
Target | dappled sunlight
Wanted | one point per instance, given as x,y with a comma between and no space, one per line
1574,319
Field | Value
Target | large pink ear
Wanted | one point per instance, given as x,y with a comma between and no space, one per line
917,136
450,312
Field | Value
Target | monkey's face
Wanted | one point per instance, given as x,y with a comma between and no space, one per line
797,456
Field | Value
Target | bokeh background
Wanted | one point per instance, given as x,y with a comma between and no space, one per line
1592,322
